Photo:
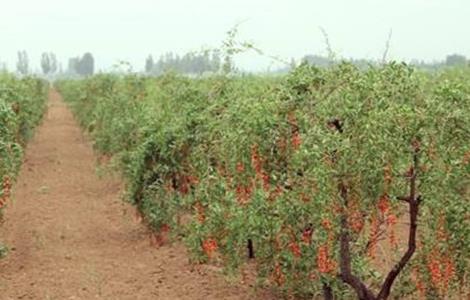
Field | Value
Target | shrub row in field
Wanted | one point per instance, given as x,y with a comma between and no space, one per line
22,103
307,173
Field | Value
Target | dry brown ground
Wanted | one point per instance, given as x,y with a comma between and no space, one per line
72,237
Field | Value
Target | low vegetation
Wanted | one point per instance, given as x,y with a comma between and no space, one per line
307,174
22,103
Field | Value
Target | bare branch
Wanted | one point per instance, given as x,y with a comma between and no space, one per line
327,292
331,53
346,274
403,198
413,200
363,293
387,47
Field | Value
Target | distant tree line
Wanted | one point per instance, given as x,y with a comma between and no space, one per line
456,60
324,62
189,63
452,60
196,63
50,65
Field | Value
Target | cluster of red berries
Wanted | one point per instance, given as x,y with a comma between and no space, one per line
209,246
201,217
355,216
244,191
420,286
324,263
440,265
466,158
278,275
295,249
441,270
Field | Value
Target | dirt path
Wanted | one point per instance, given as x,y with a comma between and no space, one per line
71,237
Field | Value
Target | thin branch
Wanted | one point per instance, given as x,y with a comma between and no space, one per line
331,53
375,239
414,201
387,47
363,293
327,292
404,198
346,274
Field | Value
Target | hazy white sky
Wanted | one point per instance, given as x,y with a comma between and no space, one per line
131,29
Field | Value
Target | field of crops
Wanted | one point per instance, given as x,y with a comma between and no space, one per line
22,103
309,175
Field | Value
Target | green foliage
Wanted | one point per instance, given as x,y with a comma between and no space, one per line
22,103
3,251
225,160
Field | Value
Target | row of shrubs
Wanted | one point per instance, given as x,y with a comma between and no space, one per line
22,103
293,171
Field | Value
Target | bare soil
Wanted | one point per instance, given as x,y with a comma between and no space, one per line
72,237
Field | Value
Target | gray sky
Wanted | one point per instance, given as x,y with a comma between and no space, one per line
131,29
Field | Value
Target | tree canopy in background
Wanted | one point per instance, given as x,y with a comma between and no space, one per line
49,63
456,60
149,64
84,65
22,65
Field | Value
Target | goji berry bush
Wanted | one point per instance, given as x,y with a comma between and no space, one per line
316,176
22,103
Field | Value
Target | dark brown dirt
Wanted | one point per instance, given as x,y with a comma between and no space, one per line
72,237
